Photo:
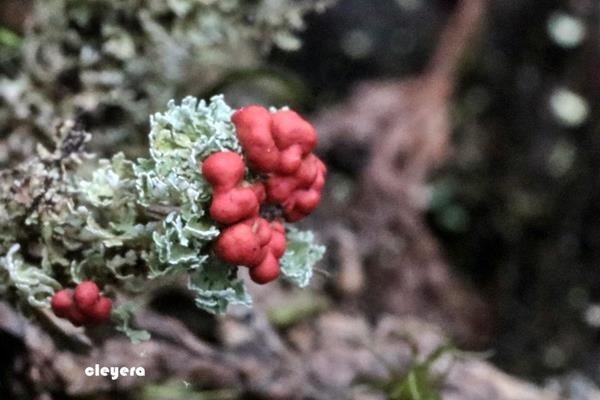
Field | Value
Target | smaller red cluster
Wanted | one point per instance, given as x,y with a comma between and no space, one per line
279,147
280,144
83,306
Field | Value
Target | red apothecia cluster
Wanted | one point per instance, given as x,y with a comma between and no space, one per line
84,306
279,147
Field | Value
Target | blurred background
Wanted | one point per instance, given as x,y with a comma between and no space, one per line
463,145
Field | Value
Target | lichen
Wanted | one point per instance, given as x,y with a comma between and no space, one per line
67,216
111,63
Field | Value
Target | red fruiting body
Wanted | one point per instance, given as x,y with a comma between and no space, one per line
259,190
86,295
238,245
254,243
261,229
290,159
319,181
101,311
277,244
296,180
279,146
280,187
306,193
307,172
61,303
231,202
253,125
305,201
234,205
223,170
290,129
278,227
77,317
84,306
293,215
267,271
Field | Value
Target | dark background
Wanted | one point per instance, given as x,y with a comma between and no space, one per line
523,230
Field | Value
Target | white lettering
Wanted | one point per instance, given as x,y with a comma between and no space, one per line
114,372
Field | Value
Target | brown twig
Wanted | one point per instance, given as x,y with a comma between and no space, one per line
407,127
455,39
